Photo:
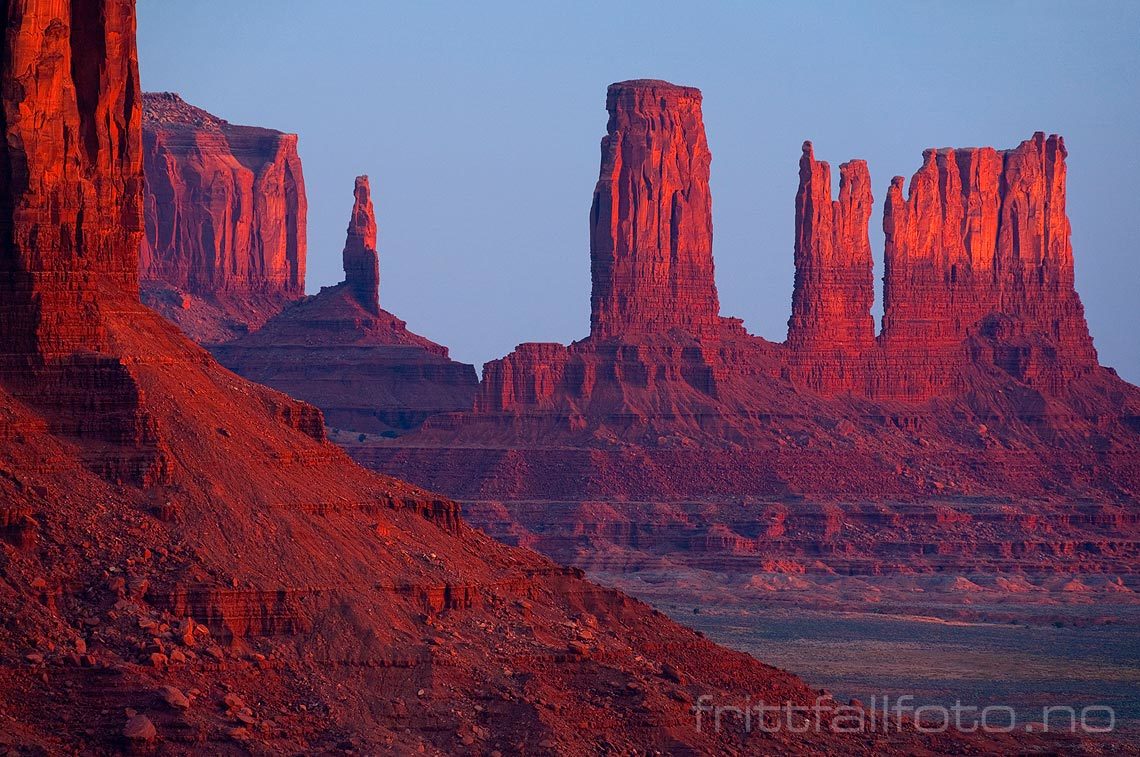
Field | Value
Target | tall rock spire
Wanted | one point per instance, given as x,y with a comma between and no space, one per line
834,286
651,220
361,261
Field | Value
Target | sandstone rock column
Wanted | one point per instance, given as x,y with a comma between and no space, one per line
940,247
361,261
71,192
1035,247
834,285
980,248
651,219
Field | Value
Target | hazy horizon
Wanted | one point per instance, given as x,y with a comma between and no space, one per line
480,133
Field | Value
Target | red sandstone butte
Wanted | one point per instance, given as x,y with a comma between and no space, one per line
225,220
831,328
260,571
980,249
355,361
651,219
71,179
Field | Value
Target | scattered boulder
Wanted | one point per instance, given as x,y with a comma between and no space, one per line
140,729
671,673
174,698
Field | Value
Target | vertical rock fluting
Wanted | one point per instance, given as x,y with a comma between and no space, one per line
831,327
70,173
225,220
980,248
361,261
834,286
651,265
226,205
651,219
71,192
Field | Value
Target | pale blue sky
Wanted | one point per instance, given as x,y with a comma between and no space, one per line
479,125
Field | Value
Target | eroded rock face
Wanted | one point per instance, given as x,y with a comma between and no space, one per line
70,185
980,247
653,296
651,220
70,208
831,327
834,288
225,219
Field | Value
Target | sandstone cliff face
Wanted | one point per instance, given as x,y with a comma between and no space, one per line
70,207
70,188
980,247
834,286
340,351
651,220
831,328
634,383
225,219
